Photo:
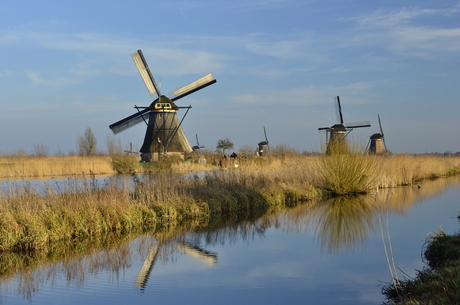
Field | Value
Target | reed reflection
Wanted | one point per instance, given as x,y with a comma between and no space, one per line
344,222
339,224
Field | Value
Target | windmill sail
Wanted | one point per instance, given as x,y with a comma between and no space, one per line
338,110
130,121
146,75
192,87
164,131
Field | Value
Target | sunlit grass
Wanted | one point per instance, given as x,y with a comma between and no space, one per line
30,166
31,218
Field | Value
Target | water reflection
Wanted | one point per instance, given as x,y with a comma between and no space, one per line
204,256
338,224
344,222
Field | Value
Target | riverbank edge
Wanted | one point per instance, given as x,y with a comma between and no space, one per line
436,283
31,220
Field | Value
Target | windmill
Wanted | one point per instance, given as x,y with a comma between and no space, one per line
130,151
262,145
377,142
197,146
164,131
336,134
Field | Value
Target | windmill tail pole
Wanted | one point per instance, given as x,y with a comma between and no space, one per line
178,126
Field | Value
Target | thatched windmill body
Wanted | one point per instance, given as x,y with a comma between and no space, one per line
377,142
337,133
164,130
263,147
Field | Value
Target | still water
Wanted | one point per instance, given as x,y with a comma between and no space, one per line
336,252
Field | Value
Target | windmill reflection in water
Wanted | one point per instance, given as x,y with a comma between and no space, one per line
188,248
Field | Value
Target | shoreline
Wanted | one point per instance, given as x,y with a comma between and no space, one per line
438,282
31,220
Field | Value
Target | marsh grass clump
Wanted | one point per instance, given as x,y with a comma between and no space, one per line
437,284
348,173
441,249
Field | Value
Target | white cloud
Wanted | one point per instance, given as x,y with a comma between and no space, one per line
401,33
310,95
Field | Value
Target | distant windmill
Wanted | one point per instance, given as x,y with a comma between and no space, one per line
377,142
130,151
336,134
164,131
197,146
262,145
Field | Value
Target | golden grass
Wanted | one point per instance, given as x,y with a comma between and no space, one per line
20,167
32,219
398,170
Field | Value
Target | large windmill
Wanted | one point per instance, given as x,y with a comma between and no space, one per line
262,145
377,142
164,131
336,134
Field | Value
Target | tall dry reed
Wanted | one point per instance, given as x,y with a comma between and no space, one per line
20,167
32,218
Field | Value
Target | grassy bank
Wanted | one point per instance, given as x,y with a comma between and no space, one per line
31,219
439,282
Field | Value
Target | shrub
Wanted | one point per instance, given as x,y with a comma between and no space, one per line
351,173
125,164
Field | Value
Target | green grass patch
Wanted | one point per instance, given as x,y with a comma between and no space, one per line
439,283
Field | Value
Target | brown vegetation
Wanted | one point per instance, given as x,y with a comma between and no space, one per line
32,218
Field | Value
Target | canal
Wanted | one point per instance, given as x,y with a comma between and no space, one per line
336,252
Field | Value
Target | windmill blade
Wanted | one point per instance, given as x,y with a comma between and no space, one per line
196,252
324,128
358,124
338,109
146,75
266,140
199,84
130,121
381,132
147,267
380,124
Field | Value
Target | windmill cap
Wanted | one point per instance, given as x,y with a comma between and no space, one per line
376,136
163,99
339,127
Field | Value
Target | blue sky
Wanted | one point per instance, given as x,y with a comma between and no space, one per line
66,66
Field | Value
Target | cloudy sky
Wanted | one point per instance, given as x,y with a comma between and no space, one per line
66,66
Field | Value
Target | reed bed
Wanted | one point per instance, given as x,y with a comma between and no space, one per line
33,218
400,170
30,166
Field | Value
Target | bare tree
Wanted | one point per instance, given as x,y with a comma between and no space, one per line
87,143
41,150
114,146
